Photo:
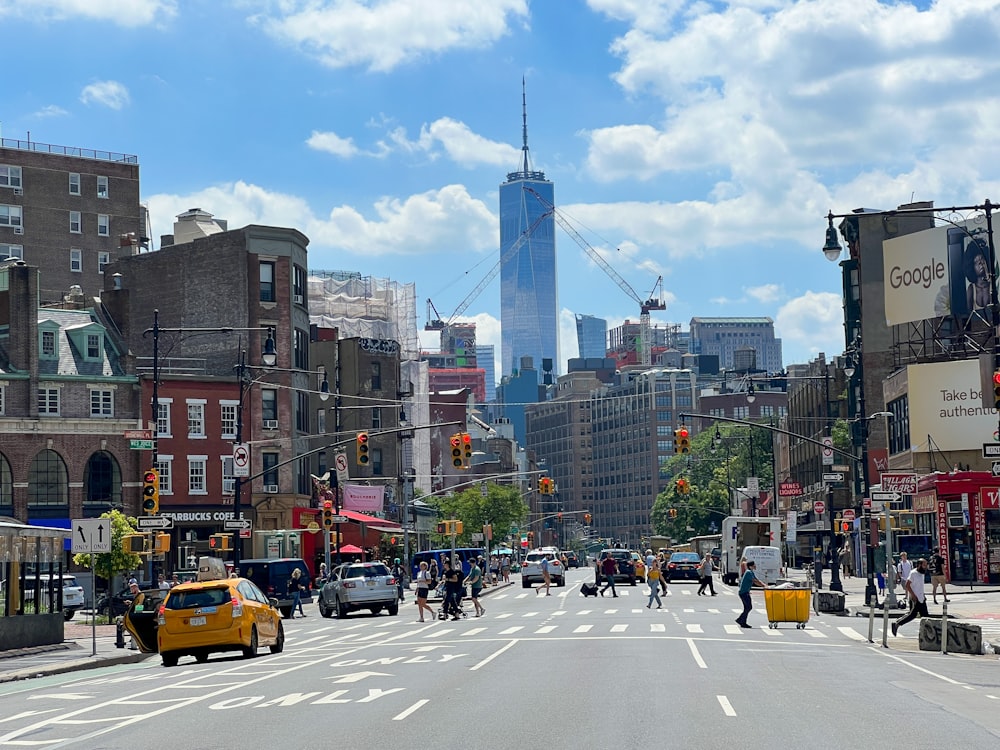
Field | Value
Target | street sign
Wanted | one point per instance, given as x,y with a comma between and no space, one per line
834,476
753,485
789,488
819,507
138,434
245,533
478,536
340,466
313,527
996,468
840,467
991,450
140,445
866,503
91,534
155,522
241,460
886,497
901,482
828,451
233,524
849,514
338,519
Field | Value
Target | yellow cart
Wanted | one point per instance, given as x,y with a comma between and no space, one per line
787,605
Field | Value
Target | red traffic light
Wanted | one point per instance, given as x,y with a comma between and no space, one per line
996,378
682,432
149,477
362,437
466,438
327,505
455,441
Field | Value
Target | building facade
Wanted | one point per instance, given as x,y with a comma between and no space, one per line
591,336
725,337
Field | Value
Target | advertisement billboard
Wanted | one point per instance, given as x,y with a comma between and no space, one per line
945,403
936,273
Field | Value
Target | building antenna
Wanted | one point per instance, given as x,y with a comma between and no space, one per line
524,126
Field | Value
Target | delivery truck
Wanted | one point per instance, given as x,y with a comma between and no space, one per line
739,532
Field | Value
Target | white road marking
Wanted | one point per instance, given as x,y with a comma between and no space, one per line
521,596
474,631
610,611
689,610
695,629
771,631
545,629
492,656
410,710
734,630
530,614
637,611
584,612
657,627
558,612
514,629
583,629
503,616
852,634
697,656
619,628
439,633
919,669
727,707
713,611
815,633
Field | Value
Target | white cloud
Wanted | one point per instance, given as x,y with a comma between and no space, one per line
332,143
384,35
427,222
110,94
765,292
127,13
813,322
50,110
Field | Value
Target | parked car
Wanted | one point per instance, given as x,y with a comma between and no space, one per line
113,605
572,561
205,617
683,566
271,576
626,569
362,585
716,557
531,568
72,592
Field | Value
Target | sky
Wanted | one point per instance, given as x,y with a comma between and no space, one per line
702,141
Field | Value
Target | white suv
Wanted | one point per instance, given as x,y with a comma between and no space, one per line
72,592
531,569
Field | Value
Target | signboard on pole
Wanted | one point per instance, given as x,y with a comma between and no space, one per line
241,460
340,465
91,535
827,451
819,507
902,482
753,485
138,434
791,527
849,514
789,488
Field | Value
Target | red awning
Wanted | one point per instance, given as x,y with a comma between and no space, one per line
380,525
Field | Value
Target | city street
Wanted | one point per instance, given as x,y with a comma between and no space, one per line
562,670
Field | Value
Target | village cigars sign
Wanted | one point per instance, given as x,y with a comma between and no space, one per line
364,498
946,403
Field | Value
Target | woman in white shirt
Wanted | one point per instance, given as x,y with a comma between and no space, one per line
423,587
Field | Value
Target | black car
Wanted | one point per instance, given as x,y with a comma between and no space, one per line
272,575
113,605
683,566
572,561
626,569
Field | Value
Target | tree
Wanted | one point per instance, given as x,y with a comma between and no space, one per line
107,564
502,507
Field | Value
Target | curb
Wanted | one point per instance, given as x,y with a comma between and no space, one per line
92,662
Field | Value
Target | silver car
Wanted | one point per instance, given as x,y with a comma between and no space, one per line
353,586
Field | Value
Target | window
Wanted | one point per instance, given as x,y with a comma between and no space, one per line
302,412
103,225
267,281
93,346
298,285
11,251
48,343
321,422
48,481
268,404
102,187
741,412
767,410
228,418
164,464
3,400
163,418
48,400
196,418
268,462
10,176
75,222
103,258
376,376
74,183
228,480
196,475
10,216
303,482
102,402
377,462
376,418
301,346
76,260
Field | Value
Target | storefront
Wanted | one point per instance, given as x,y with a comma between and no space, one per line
362,531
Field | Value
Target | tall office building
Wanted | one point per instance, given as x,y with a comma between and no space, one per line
732,340
591,336
528,306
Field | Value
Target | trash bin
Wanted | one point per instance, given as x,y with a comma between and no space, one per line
818,574
787,605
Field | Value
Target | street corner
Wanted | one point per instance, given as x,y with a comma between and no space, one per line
74,663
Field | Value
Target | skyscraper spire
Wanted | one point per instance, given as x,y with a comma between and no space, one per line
524,127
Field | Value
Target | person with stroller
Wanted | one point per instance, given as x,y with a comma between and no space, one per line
452,591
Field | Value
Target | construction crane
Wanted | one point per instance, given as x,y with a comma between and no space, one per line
652,303
437,323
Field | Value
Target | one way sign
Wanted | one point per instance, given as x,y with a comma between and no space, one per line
996,468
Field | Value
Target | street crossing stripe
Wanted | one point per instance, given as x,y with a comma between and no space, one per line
514,629
474,631
694,629
734,630
619,628
583,629
657,627
852,634
545,629
815,633
727,707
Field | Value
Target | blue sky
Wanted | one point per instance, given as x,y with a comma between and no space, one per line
703,141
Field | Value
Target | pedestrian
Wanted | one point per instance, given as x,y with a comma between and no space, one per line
174,580
162,583
397,572
880,577
295,588
546,576
435,573
475,583
323,575
505,568
938,577
903,569
705,579
747,582
662,560
914,585
609,567
423,589
653,580
494,569
452,590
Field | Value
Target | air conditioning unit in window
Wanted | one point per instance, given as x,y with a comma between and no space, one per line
270,424
297,298
18,230
228,486
272,488
18,191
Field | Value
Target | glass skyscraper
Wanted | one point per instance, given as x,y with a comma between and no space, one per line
529,323
591,336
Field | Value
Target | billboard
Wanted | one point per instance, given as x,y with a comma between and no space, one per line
945,403
936,273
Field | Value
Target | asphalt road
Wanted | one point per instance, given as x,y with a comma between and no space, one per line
562,671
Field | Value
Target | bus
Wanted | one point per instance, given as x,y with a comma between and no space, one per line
465,554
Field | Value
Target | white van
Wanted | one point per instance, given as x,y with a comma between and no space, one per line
767,562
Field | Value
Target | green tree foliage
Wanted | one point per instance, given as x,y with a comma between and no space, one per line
842,436
712,471
502,507
107,564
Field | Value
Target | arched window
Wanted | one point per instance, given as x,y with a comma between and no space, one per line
6,488
102,481
48,485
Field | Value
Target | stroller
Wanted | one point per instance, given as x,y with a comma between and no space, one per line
452,608
588,589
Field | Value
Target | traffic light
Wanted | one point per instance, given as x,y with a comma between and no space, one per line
587,518
161,544
559,517
151,491
673,512
456,450
327,514
996,389
442,528
682,440
682,486
459,527
545,486
134,543
220,542
531,537
362,449
466,450
845,527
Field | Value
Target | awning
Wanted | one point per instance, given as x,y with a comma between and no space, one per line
380,525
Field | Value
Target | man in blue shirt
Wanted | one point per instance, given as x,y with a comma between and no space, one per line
747,582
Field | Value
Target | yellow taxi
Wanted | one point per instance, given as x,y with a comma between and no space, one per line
204,617
639,564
